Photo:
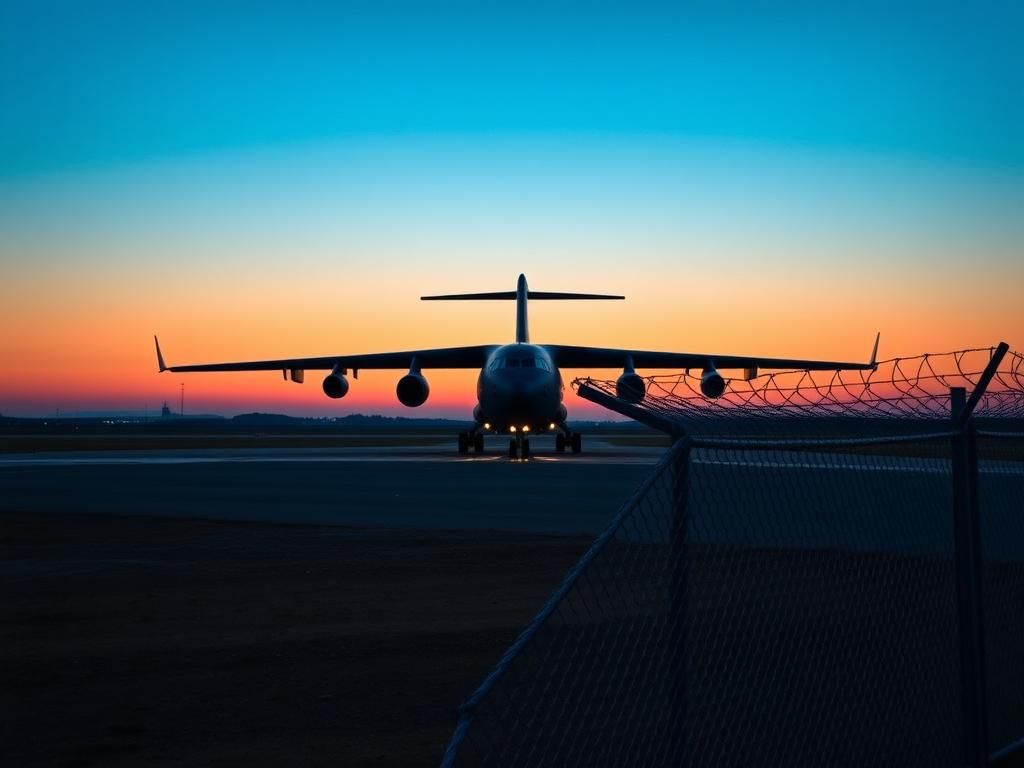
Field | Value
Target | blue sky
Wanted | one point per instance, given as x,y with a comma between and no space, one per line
92,84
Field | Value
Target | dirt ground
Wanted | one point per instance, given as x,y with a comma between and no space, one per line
142,641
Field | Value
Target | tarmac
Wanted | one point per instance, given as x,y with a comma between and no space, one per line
411,487
147,628
863,502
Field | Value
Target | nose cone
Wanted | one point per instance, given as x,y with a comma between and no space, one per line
522,400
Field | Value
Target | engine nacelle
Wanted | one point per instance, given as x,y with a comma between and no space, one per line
630,387
412,389
335,386
712,384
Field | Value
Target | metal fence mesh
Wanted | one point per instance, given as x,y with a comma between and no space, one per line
902,388
1001,500
753,604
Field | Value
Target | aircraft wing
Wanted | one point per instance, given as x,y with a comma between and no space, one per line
596,357
452,357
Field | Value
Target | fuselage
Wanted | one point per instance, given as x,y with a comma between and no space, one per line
520,386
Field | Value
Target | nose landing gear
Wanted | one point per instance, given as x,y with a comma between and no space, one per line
519,447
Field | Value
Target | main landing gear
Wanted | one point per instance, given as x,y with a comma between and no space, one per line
519,447
573,440
474,439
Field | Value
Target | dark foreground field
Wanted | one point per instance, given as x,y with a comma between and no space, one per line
140,641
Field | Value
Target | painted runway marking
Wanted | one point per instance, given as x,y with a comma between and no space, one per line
988,469
850,463
181,460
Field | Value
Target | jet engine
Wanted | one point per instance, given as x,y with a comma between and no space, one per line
711,383
412,389
336,386
630,387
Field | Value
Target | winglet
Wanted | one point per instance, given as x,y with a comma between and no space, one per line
874,352
159,355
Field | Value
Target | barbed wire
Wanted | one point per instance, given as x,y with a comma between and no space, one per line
902,387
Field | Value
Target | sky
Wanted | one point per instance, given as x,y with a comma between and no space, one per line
256,180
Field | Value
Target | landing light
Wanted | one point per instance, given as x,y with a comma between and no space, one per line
511,429
526,429
487,425
551,425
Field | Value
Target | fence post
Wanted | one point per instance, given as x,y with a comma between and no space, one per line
977,554
967,552
678,606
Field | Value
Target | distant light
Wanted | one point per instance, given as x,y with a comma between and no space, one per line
487,425
526,428
511,429
551,425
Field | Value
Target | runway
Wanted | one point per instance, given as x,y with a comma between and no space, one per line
413,487
598,452
753,497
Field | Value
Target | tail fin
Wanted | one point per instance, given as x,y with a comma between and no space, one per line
520,296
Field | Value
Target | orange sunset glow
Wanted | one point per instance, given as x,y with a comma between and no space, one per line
83,341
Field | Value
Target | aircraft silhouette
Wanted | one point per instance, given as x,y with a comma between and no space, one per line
520,388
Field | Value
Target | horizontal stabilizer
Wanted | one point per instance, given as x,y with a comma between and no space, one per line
511,296
500,295
560,295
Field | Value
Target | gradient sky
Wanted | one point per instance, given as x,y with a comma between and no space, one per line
253,180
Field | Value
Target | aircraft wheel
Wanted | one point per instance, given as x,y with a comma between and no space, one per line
513,449
560,442
463,443
478,442
526,449
577,442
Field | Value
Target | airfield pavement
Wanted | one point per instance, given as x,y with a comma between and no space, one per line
262,606
132,640
428,487
275,606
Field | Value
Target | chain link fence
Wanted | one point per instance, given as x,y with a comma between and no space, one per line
908,388
767,600
1001,500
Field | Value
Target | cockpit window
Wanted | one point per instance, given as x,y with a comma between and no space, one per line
519,362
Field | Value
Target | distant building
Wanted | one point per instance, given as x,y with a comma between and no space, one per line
165,411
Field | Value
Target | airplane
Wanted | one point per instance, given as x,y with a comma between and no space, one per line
519,388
